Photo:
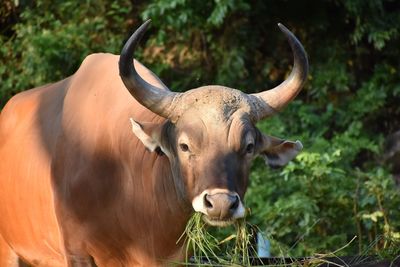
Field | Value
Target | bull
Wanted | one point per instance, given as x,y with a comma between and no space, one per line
81,185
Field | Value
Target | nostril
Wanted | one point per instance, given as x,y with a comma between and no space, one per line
207,202
234,204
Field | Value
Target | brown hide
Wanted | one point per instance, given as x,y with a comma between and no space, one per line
76,186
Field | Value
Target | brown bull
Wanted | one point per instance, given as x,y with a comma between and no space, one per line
78,188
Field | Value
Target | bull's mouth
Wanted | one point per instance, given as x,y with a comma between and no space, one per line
217,221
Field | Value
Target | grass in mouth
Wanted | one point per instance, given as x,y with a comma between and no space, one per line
207,250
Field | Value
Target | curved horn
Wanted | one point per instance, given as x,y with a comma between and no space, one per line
156,99
278,97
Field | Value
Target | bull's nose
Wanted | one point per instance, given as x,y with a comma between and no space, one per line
221,205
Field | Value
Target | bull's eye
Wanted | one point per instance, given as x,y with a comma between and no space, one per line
250,148
184,147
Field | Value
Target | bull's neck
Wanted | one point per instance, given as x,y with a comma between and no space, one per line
151,172
152,195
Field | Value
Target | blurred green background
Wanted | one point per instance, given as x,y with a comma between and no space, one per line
339,186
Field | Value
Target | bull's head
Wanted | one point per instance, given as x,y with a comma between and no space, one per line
210,136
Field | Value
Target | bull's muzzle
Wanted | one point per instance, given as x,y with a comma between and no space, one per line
219,206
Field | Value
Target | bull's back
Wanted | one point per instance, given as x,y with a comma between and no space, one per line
28,130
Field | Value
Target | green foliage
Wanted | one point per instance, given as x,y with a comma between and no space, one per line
338,187
373,21
199,41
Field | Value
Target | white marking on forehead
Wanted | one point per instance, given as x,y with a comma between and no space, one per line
198,202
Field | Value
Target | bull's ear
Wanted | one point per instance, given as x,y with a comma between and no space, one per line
149,134
278,152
